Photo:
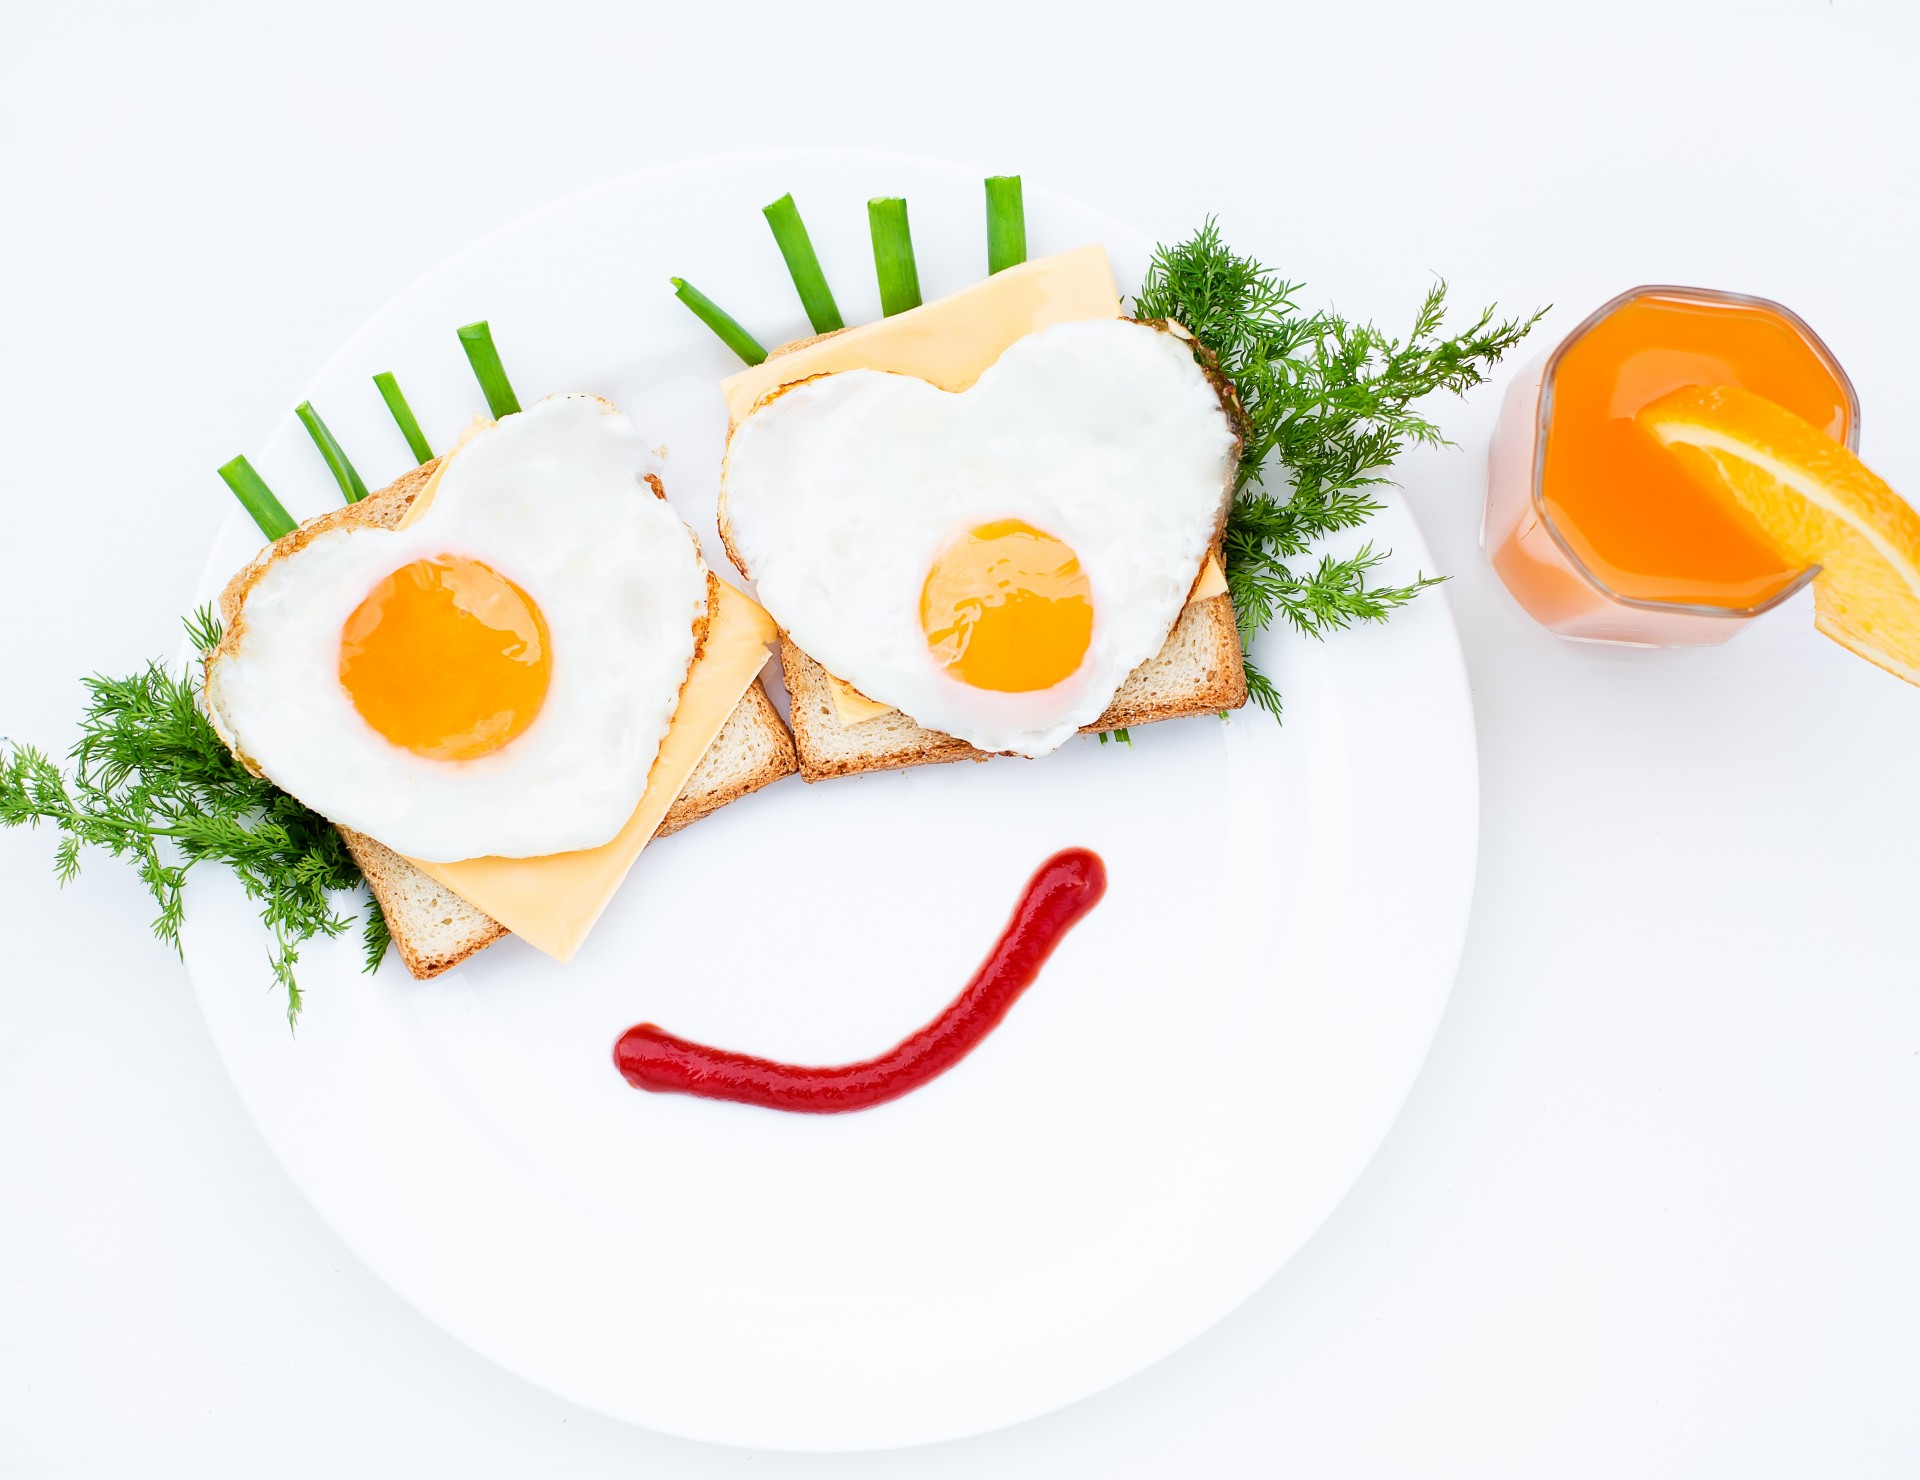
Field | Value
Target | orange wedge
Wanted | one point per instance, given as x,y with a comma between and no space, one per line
1817,504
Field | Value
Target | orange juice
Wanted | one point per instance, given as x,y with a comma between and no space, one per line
1595,528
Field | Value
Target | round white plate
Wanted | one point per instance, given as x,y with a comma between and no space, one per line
1196,1079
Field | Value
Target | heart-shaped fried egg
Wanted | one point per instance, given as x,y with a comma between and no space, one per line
494,677
993,563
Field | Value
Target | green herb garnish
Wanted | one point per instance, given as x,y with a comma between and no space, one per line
374,936
335,456
477,341
403,416
1328,407
1006,223
803,266
257,499
893,255
153,783
720,321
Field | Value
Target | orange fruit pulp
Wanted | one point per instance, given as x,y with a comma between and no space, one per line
1625,505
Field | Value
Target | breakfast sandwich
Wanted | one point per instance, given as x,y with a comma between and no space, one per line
500,677
989,523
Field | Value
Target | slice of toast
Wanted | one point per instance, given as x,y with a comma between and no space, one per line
433,928
1199,670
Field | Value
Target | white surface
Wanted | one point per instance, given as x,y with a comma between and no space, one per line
1650,1208
1171,1112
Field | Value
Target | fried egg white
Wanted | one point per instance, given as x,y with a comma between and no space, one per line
993,563
496,677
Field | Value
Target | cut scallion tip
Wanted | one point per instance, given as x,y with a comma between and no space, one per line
893,255
403,416
351,488
257,499
790,232
1006,223
720,321
477,341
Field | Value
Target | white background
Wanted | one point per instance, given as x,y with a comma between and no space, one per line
1652,1205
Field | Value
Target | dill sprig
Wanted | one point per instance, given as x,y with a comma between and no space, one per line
1328,406
151,782
374,936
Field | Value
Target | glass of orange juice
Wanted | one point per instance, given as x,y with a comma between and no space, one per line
1594,527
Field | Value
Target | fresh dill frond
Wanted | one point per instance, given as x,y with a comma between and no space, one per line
151,782
374,935
1327,406
203,629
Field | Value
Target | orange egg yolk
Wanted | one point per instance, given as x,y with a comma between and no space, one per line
446,658
1007,608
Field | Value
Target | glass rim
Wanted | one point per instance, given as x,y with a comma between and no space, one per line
1543,413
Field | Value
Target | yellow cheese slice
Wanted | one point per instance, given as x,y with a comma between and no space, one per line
552,902
950,341
853,707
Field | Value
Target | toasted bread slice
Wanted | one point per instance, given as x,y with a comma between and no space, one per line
1199,670
433,928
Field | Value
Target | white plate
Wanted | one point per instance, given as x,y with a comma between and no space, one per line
1197,1078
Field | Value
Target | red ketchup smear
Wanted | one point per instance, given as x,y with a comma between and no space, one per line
1067,886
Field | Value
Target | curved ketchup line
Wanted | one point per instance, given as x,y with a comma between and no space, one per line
1066,886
